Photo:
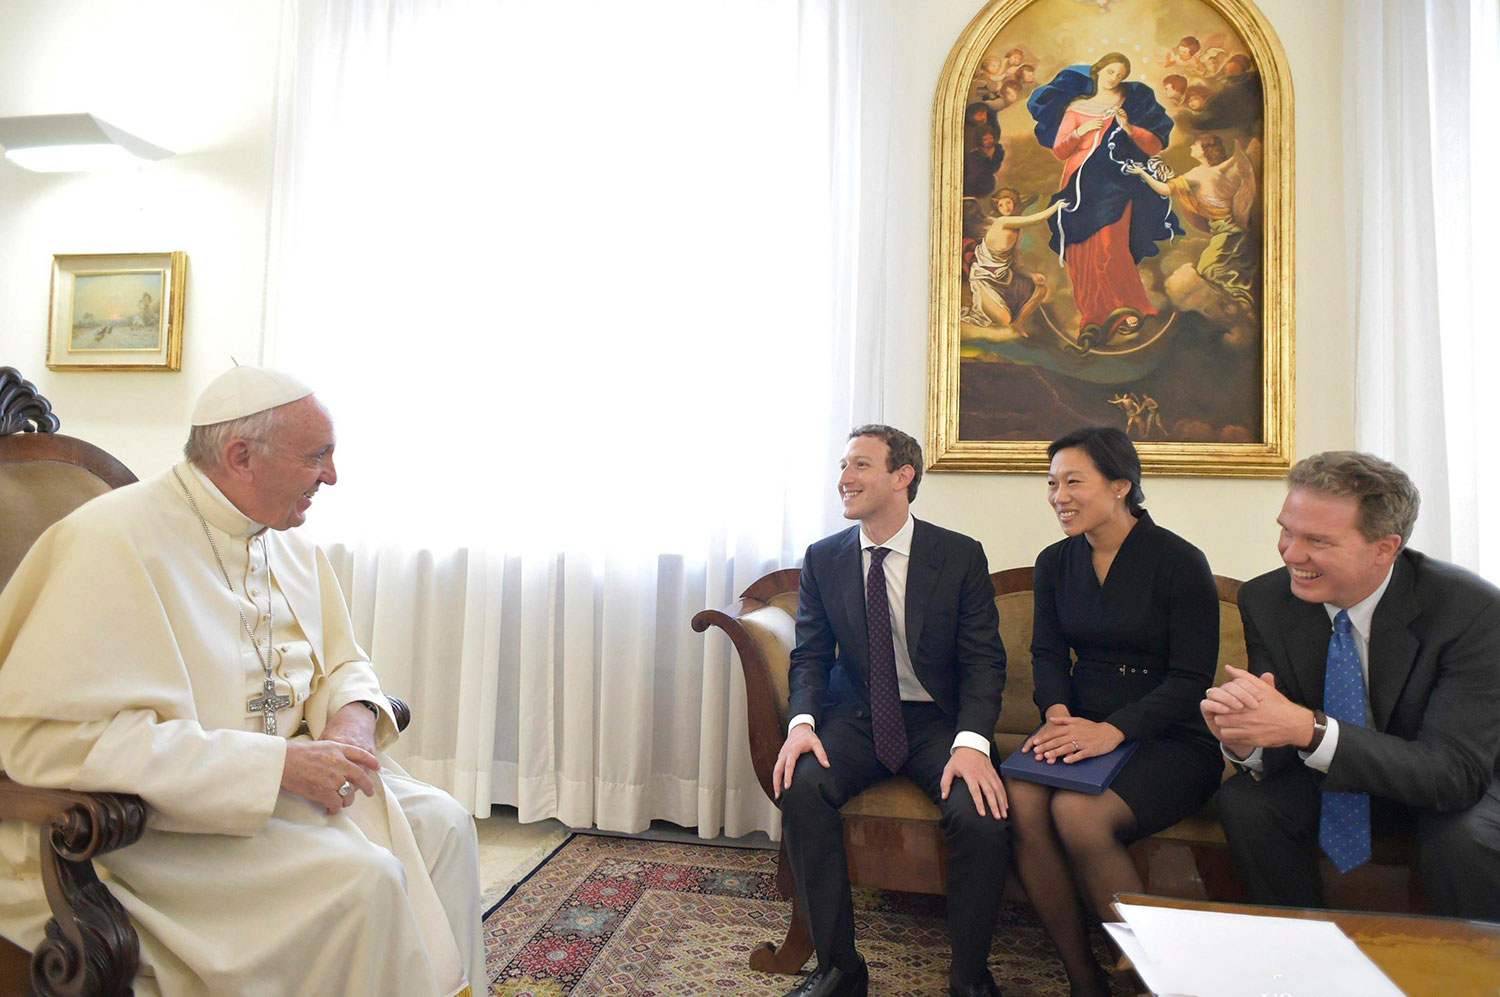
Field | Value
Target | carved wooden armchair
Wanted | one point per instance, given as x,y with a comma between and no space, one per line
90,947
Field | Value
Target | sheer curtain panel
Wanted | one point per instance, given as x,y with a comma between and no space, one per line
581,285
1418,146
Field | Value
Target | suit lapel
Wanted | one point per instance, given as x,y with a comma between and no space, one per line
1393,647
850,584
1307,649
921,578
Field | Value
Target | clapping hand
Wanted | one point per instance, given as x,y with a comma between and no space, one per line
1249,712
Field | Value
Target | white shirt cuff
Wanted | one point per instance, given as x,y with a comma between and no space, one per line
970,739
1254,762
1323,757
801,718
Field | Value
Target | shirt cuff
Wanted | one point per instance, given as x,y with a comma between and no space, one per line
970,739
1255,763
801,718
1323,757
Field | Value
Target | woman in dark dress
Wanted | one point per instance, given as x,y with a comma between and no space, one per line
1136,605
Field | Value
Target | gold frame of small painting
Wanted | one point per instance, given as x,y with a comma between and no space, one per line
117,311
1032,337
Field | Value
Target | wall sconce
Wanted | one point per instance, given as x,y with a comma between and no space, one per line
64,143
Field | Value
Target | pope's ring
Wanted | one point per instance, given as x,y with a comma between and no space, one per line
1075,748
344,789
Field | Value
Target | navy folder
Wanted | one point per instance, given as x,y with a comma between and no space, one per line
1092,775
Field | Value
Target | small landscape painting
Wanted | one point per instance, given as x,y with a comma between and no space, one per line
117,311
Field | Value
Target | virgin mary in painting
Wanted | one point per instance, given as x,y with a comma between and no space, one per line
1099,125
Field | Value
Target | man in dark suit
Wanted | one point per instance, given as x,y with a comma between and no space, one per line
1372,699
898,668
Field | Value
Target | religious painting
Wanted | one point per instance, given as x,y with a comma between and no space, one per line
1111,236
117,312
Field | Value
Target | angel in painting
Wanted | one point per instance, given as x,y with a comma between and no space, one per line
1097,124
1002,294
1217,196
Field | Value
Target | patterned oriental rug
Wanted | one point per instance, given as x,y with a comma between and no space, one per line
620,916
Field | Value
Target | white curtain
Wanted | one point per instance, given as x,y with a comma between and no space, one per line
583,286
1420,154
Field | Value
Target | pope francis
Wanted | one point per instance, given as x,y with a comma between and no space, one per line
178,639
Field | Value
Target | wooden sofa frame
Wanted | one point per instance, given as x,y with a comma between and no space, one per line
891,830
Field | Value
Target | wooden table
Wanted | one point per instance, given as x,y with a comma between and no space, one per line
1424,956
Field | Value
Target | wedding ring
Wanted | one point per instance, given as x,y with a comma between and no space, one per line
1075,748
344,789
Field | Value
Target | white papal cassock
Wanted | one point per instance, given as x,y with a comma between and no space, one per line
124,667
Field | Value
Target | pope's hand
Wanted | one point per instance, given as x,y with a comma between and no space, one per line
315,770
352,724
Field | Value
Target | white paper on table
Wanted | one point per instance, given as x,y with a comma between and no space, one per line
1210,954
1131,946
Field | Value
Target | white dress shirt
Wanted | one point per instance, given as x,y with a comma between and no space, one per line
1361,615
895,565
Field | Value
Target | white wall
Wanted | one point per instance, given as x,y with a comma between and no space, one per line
1233,521
194,76
197,77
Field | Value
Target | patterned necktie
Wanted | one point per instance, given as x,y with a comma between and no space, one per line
1344,822
885,695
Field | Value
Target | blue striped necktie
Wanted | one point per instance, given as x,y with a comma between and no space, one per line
1344,821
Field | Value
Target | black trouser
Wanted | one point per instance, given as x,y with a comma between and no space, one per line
1272,827
978,847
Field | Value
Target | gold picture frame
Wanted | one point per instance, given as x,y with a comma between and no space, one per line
971,423
117,311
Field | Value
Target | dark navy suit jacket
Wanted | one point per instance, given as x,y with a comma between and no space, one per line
952,628
1434,689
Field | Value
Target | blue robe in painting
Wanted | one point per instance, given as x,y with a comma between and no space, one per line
1100,183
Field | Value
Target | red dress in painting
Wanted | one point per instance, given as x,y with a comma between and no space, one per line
1103,274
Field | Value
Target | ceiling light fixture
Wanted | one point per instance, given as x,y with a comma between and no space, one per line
64,143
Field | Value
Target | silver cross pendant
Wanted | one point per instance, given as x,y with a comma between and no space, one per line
267,703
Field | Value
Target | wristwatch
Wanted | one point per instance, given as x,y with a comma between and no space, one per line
376,710
1320,728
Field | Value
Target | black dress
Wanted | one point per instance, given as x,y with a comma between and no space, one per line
1146,645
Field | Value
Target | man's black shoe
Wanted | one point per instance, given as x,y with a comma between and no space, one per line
834,982
984,988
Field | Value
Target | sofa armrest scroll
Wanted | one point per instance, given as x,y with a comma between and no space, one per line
766,735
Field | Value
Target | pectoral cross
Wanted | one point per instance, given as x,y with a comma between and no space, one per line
267,703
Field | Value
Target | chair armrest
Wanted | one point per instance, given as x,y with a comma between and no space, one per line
766,735
401,710
91,946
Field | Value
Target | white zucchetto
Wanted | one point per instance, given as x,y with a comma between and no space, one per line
245,390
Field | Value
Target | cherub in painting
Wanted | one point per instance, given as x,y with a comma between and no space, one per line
1096,123
987,80
1185,57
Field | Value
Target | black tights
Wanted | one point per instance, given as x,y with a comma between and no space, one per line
1067,844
